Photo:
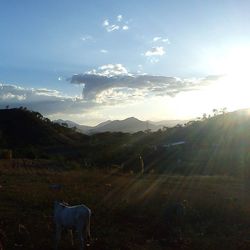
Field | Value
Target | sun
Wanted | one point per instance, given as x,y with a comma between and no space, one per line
232,89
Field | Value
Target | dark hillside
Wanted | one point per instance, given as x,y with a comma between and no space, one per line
21,127
216,145
22,130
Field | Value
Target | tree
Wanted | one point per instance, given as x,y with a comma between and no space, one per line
224,110
204,116
215,111
64,124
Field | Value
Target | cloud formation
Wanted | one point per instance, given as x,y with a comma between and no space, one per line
113,83
104,51
110,27
109,70
110,84
125,27
156,51
119,24
86,38
160,39
43,100
119,18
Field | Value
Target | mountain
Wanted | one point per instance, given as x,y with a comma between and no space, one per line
69,123
129,125
80,128
102,124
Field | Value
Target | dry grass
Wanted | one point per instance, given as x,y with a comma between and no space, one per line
128,210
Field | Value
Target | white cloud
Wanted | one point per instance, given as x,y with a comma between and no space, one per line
112,27
118,24
86,38
157,38
155,51
12,97
160,39
140,69
104,51
105,23
109,70
166,40
125,27
119,18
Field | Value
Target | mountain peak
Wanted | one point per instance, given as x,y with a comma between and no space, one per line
131,119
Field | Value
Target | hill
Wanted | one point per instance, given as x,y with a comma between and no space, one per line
70,124
129,125
21,129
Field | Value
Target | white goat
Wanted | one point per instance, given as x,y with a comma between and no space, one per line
75,218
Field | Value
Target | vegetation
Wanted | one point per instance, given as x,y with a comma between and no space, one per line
129,211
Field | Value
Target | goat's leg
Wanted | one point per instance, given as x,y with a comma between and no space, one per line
88,233
71,233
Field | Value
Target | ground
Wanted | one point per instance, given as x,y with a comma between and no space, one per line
129,211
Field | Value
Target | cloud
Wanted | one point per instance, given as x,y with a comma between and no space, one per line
125,27
108,70
104,51
155,51
119,24
112,83
160,39
119,18
42,100
86,38
140,69
105,23
110,27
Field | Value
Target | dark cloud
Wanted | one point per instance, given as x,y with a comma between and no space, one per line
43,100
107,86
110,85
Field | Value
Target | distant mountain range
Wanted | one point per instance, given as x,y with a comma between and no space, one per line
129,125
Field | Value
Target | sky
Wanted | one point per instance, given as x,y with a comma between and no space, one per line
91,61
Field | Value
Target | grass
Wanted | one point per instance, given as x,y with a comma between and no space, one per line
129,211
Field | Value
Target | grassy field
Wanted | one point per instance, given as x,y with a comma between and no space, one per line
129,211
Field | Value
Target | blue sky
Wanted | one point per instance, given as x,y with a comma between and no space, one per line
43,44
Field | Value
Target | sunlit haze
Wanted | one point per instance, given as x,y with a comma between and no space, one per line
91,61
